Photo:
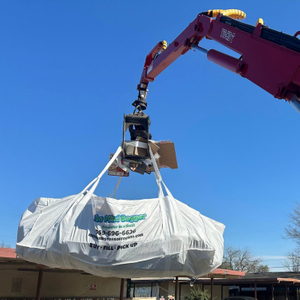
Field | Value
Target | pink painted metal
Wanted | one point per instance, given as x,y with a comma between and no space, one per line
267,63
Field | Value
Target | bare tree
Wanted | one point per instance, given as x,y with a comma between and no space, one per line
292,231
292,262
242,260
3,245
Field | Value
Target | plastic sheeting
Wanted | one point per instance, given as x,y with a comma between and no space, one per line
120,238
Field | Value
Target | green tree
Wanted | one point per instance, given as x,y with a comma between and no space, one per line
262,269
197,294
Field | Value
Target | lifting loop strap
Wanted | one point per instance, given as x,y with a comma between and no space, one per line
93,184
116,188
158,177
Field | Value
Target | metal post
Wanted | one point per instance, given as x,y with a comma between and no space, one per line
122,289
222,291
176,288
180,291
39,284
255,291
211,288
286,292
272,292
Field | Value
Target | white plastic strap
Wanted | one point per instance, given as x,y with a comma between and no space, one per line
116,188
167,190
157,174
90,188
94,183
82,197
158,177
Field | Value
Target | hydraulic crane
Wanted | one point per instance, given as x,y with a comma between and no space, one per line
268,58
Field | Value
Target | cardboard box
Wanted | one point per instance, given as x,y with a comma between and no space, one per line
166,155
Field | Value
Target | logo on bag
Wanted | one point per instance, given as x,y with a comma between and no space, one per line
119,218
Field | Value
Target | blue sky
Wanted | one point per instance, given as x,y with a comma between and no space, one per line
69,71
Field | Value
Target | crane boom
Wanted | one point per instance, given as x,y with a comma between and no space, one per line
268,58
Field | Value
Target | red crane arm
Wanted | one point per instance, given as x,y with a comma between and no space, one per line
268,58
154,66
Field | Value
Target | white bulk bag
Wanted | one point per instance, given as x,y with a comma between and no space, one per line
120,238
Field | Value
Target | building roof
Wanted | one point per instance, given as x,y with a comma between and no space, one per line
221,276
248,280
274,274
218,273
225,281
7,253
226,273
